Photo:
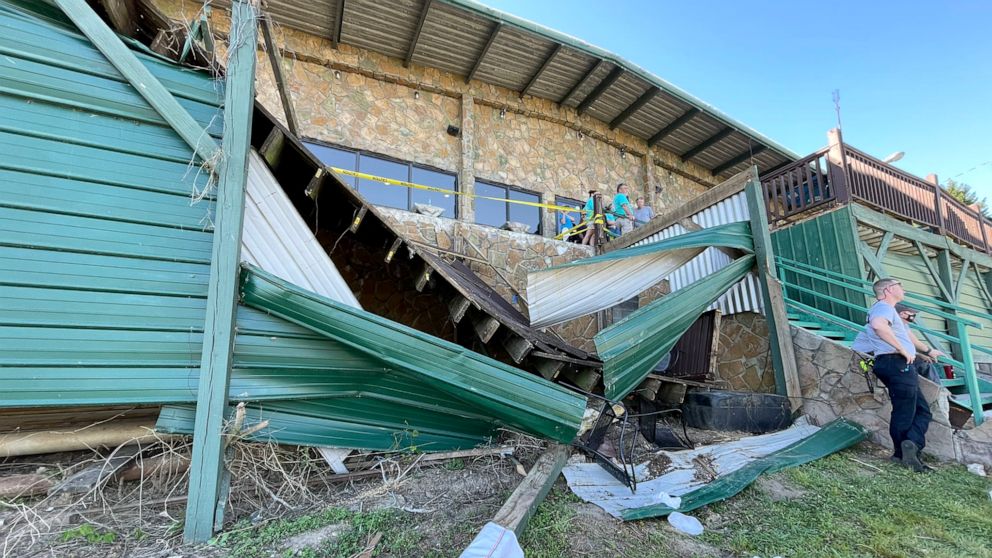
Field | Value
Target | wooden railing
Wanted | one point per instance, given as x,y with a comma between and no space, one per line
843,176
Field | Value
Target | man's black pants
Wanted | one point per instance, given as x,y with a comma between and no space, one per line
910,412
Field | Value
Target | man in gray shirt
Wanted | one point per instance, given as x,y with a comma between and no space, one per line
888,337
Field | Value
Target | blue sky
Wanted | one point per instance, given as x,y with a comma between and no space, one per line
914,76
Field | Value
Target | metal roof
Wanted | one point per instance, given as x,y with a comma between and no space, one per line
469,39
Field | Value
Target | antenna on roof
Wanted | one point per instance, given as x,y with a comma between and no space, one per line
836,97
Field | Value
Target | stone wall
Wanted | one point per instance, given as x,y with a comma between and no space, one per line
363,100
743,360
501,258
833,385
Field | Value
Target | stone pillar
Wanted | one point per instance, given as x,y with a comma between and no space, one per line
466,167
549,217
650,184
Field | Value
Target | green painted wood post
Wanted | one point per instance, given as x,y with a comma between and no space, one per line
971,377
945,274
779,333
147,85
207,465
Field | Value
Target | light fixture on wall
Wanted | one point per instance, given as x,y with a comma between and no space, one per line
416,93
580,135
453,130
502,113
623,152
337,74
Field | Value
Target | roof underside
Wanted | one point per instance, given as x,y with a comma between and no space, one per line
475,41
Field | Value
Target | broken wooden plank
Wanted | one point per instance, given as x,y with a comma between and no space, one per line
335,458
521,505
393,249
518,347
16,486
424,277
549,369
457,307
357,221
714,345
485,327
94,475
271,149
275,61
562,358
583,378
681,381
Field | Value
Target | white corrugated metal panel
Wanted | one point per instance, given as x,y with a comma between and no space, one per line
276,239
743,297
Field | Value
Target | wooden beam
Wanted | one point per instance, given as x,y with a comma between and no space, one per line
537,75
523,502
729,187
393,249
945,279
644,99
338,25
904,230
271,148
672,126
412,49
424,277
549,369
357,221
575,88
935,274
707,143
779,335
457,307
596,93
136,74
962,277
275,60
983,286
123,15
206,466
875,264
739,158
485,327
485,50
518,347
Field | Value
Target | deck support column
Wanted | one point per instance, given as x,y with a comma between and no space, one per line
203,512
779,335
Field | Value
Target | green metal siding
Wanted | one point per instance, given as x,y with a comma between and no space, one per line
828,242
105,259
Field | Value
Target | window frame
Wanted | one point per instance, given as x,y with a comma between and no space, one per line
508,188
410,165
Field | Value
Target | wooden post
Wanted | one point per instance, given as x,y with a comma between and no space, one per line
275,60
779,336
837,172
938,199
521,505
598,221
206,466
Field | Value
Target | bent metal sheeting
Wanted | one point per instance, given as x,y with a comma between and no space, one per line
515,398
632,348
565,292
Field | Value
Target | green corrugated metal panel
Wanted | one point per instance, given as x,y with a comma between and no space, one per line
827,242
517,398
732,235
105,261
338,423
632,348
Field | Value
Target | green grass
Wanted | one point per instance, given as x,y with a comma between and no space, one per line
263,541
548,531
852,510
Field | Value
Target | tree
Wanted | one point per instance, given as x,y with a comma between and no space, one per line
964,194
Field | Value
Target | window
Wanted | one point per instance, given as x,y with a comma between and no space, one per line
387,194
496,213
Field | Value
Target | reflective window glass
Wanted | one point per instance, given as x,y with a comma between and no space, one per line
335,157
384,194
527,214
490,212
437,199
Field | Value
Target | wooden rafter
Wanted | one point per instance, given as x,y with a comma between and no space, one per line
644,99
585,78
544,66
482,56
596,93
275,60
707,143
338,25
739,158
672,126
412,49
